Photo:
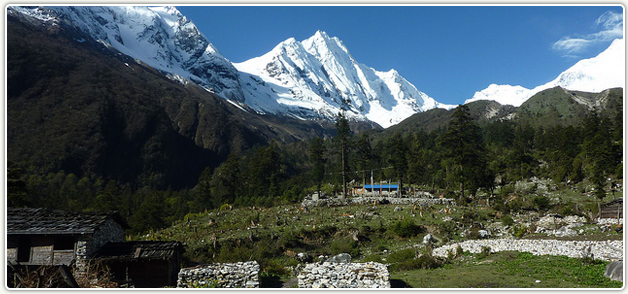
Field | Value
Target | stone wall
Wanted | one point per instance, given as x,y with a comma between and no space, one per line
88,245
221,275
377,200
344,275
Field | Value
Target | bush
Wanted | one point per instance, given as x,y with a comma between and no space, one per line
519,231
541,202
289,240
405,261
406,228
486,251
344,246
401,255
507,220
459,250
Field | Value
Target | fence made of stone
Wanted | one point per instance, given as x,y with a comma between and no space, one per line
344,275
378,200
221,275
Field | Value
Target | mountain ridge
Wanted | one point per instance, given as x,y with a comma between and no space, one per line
604,71
548,107
319,73
305,80
166,40
85,108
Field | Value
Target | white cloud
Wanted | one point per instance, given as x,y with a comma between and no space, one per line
570,46
611,25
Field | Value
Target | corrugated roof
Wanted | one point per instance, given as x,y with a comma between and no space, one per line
393,186
21,221
139,250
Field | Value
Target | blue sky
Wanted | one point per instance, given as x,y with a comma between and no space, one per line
448,52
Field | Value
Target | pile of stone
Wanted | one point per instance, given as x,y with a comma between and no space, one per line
344,275
607,224
559,226
600,250
221,275
378,200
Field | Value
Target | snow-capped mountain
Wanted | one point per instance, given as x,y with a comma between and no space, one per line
159,36
604,71
307,79
311,78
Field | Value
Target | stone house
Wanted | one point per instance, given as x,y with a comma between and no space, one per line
144,264
37,236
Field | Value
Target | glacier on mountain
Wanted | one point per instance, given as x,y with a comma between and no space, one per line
311,78
604,71
307,80
160,37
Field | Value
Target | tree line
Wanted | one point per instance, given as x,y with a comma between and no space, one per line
458,161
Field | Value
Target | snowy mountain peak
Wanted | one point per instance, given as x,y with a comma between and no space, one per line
159,36
604,71
307,79
310,79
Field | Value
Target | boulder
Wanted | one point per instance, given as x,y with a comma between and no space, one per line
484,233
615,270
428,239
303,257
565,232
340,258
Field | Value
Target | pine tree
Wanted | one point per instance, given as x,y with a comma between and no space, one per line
343,133
317,157
398,159
364,154
463,151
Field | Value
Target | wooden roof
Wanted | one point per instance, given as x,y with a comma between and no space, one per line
140,250
41,221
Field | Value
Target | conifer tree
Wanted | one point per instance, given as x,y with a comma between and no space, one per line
343,133
317,157
463,150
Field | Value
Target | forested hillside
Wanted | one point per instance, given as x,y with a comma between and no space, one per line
88,129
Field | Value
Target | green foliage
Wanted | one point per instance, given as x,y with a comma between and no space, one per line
486,251
212,283
406,228
401,255
465,162
317,152
507,220
120,137
344,246
512,270
405,261
541,202
519,231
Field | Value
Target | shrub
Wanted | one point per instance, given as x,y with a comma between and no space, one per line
373,257
541,202
344,246
486,251
519,231
459,250
325,231
289,240
407,262
507,220
406,228
401,255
